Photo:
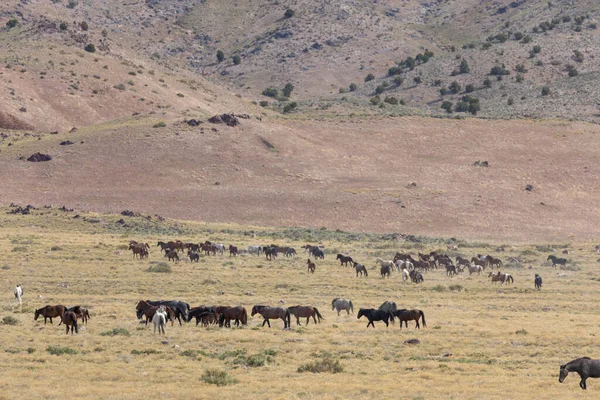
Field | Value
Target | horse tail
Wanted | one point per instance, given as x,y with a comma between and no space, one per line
423,318
287,317
319,316
244,317
366,273
351,306
391,316
510,278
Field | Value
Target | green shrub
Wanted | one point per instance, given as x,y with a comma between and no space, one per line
469,88
352,87
375,100
417,80
462,106
263,103
536,49
56,248
289,13
220,56
447,105
464,67
72,3
160,267
12,23
115,332
63,26
454,87
519,78
120,86
395,71
578,56
84,26
270,92
545,91
499,70
526,39
518,35
59,350
325,365
217,377
369,77
391,100
8,320
90,48
290,107
160,124
144,352
573,72
237,60
379,89
510,101
287,90
520,68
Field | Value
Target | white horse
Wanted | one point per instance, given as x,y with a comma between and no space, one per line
254,250
19,294
220,247
400,264
160,320
342,304
405,275
475,268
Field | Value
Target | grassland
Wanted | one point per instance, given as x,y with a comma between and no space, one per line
481,342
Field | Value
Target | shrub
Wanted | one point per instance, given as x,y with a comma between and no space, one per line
379,89
324,365
464,67
369,77
486,45
115,332
462,106
270,92
417,80
290,107
519,78
160,267
593,25
12,23
437,82
394,71
287,90
520,68
469,88
63,26
8,320
526,39
487,83
263,103
447,105
289,13
59,350
510,101
443,91
84,26
573,72
90,48
56,248
499,70
454,87
566,19
72,4
120,86
375,100
545,91
237,60
142,352
518,35
391,100
536,49
352,87
217,377
578,56
220,56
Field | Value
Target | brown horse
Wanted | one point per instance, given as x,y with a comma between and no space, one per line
139,249
481,263
80,312
311,266
305,311
70,320
501,277
208,248
233,250
193,256
238,313
206,315
172,255
144,309
386,271
50,312
493,261
272,313
409,315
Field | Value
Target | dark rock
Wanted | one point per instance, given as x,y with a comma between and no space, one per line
128,213
193,122
529,188
227,119
73,129
121,221
317,46
284,34
54,133
484,164
39,157
412,341
66,143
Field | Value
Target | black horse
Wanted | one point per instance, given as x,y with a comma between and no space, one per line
270,252
344,260
375,315
199,313
181,309
538,281
405,315
584,366
416,276
557,261
318,253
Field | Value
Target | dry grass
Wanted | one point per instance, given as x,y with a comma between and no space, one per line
474,343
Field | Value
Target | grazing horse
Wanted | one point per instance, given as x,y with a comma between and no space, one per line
318,253
50,312
305,311
375,315
272,313
450,270
238,314
342,304
233,250
557,261
172,255
416,276
80,312
205,314
70,320
538,281
410,315
360,268
388,306
19,294
386,270
193,256
475,268
179,307
584,366
311,266
405,275
344,260
159,319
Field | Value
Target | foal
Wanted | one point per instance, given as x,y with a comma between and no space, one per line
311,266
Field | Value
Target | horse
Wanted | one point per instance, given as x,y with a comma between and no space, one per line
305,311
220,247
409,315
388,306
69,318
208,248
193,256
144,309
450,270
180,308
385,271
478,261
375,315
238,313
342,304
538,282
493,261
233,250
360,268
290,252
344,260
159,319
19,294
139,249
201,313
172,255
501,277
254,250
50,312
404,264
318,253
416,276
80,312
584,366
385,263
557,261
405,275
192,246
311,266
475,268
270,252
272,313
462,261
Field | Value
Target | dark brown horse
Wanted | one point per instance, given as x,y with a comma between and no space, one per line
233,250
311,266
144,309
478,261
70,320
462,261
238,313
386,270
409,315
584,366
206,315
344,260
272,313
493,262
305,312
50,312
193,256
80,312
139,249
172,255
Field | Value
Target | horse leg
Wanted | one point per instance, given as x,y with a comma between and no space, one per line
582,384
418,326
314,319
